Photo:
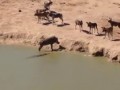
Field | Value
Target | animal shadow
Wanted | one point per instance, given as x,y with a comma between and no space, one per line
39,55
118,33
47,23
64,24
60,48
85,31
100,35
116,40
55,50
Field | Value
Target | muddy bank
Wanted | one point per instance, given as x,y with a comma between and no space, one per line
32,39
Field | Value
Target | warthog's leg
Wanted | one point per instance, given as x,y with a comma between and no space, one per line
40,47
51,47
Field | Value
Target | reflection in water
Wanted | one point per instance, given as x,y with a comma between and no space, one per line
24,68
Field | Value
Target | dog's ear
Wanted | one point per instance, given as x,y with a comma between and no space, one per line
110,18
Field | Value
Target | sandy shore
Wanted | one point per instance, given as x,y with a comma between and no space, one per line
22,27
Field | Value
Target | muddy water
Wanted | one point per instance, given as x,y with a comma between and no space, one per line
24,68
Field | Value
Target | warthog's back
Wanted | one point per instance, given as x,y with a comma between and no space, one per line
50,40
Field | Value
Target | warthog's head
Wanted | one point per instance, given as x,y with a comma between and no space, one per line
57,41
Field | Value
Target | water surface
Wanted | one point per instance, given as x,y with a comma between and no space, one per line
24,68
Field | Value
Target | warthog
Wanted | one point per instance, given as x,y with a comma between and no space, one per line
48,41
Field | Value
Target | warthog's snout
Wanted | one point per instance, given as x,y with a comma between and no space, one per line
57,42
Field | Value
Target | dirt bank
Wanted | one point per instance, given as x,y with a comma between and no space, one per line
18,25
82,44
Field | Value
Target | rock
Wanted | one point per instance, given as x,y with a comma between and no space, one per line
79,46
114,56
98,52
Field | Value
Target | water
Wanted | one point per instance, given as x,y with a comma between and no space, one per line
24,68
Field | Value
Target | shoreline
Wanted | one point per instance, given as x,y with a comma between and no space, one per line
28,39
